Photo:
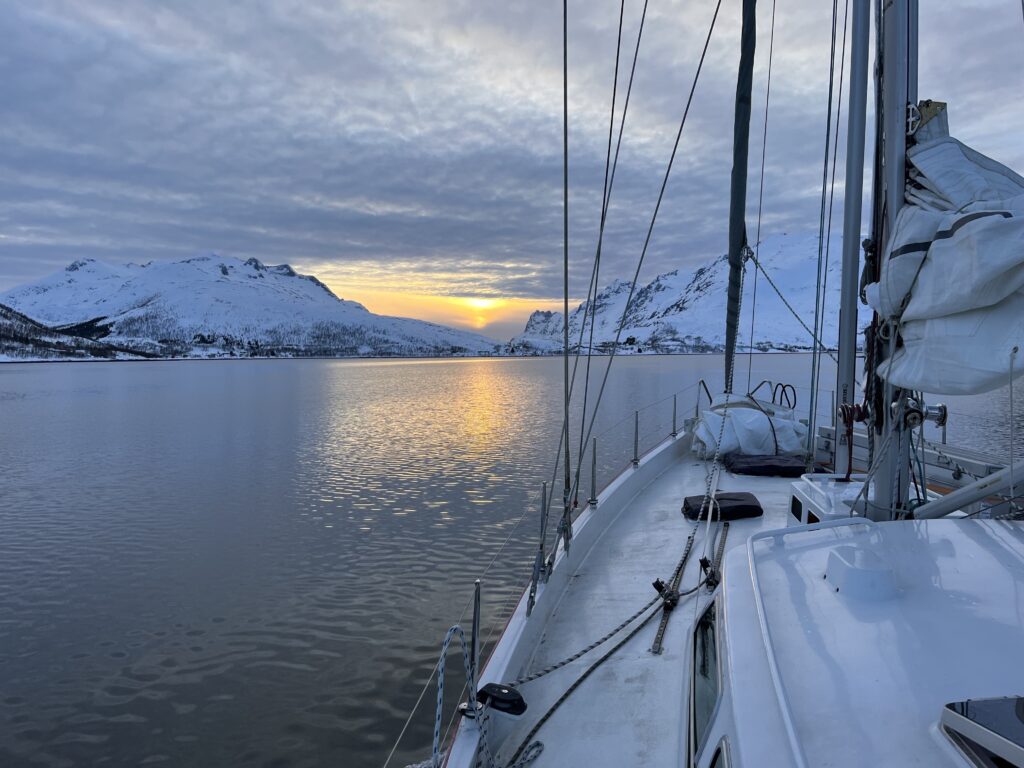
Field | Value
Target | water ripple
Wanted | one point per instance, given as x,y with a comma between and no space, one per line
253,563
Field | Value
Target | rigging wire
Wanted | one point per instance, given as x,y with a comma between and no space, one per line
760,199
591,306
654,218
565,239
593,274
815,357
832,191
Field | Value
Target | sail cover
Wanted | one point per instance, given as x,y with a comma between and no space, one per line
953,277
750,428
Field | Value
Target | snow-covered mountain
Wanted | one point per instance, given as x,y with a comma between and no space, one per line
22,338
685,312
213,305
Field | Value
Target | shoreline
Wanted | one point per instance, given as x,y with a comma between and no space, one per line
396,358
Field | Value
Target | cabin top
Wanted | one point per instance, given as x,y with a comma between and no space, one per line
843,644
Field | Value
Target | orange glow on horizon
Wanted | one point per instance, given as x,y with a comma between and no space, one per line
506,316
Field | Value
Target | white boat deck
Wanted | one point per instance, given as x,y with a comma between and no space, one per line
931,612
926,613
632,709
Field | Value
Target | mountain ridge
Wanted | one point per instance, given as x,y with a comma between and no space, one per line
214,306
685,312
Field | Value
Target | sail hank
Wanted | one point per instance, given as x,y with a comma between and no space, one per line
953,279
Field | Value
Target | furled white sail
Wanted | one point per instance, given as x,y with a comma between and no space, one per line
953,276
750,429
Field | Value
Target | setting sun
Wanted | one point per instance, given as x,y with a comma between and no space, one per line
500,318
480,303
448,297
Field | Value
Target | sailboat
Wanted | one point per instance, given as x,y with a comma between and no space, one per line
721,603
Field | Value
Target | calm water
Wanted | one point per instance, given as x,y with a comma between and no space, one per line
253,562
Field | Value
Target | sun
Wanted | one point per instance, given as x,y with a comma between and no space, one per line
476,302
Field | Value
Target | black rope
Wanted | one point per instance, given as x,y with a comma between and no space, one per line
760,200
654,218
583,651
587,673
578,682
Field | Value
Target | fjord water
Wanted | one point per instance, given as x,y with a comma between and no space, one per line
254,562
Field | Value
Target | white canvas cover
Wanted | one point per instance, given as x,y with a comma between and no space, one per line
748,429
954,270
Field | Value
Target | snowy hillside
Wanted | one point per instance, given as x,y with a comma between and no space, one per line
22,338
685,312
212,306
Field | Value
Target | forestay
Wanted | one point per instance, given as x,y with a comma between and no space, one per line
953,276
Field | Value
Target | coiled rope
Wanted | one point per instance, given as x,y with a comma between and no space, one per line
454,631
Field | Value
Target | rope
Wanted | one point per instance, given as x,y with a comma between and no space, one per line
1014,512
527,743
504,613
583,652
654,218
426,685
760,197
452,632
940,455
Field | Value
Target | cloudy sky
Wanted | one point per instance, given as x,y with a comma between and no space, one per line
409,152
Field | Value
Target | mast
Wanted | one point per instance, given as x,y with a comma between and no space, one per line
738,193
898,87
856,117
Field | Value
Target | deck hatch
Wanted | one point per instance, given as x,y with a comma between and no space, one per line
989,731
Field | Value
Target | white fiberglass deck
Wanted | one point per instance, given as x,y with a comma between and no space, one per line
631,711
837,644
926,613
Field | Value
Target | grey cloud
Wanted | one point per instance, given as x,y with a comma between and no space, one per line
415,136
